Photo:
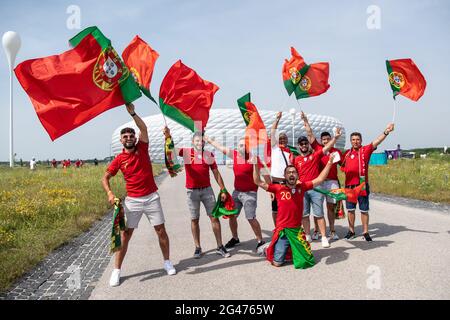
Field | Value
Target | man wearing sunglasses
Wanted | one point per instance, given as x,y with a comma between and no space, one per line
245,190
142,196
308,167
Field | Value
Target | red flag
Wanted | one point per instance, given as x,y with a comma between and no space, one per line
69,89
255,133
314,82
140,58
185,97
406,79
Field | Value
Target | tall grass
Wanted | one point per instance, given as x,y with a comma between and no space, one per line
426,179
42,209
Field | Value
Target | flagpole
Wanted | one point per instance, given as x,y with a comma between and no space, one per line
395,110
11,44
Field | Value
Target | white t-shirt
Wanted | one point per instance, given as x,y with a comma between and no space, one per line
32,164
278,164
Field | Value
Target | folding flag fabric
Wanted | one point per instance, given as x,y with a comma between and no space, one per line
226,208
140,58
314,82
170,158
255,133
185,97
299,248
293,70
69,89
350,195
405,78
118,224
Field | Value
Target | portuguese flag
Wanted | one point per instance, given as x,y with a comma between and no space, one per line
140,58
350,195
224,209
69,89
405,78
314,82
170,158
185,97
299,248
118,224
293,70
255,133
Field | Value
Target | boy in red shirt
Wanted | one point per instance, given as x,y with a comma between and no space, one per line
197,164
356,168
288,233
142,196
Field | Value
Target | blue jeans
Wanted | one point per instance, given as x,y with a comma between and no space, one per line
314,199
281,248
363,201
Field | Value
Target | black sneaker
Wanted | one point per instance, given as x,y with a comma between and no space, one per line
350,235
197,253
260,243
367,237
223,252
230,244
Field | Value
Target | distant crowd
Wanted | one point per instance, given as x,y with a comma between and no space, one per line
66,163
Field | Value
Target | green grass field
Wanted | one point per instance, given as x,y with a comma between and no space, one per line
424,179
43,209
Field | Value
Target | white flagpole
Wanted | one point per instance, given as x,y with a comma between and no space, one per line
395,111
11,45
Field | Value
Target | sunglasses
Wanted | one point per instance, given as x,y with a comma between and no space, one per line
303,143
126,137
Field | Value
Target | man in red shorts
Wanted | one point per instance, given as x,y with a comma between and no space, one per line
142,196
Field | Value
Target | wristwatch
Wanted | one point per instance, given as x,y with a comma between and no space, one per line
386,134
133,114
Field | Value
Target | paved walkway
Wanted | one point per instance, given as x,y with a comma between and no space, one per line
408,258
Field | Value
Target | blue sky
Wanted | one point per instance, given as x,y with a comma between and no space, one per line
240,46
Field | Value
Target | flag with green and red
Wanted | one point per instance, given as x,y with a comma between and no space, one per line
71,88
293,70
185,97
225,208
255,132
140,58
340,194
314,82
406,79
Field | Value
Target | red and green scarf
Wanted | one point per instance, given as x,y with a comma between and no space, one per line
118,224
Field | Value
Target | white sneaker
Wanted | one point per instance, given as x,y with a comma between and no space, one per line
114,281
308,238
168,266
315,236
325,243
262,249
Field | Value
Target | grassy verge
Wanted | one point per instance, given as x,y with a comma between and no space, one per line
424,179
43,209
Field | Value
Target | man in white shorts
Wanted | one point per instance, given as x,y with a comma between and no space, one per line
142,196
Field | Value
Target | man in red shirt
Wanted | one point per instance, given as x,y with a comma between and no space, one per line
142,196
245,190
332,181
308,167
355,165
197,164
290,207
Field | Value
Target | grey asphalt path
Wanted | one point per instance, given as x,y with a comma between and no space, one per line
408,259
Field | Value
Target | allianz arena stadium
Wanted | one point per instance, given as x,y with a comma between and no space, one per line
227,127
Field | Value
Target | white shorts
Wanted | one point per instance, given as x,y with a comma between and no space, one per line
328,185
149,205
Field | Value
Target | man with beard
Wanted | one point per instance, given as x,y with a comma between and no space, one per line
356,168
331,182
280,158
142,196
197,164
288,233
245,190
308,167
